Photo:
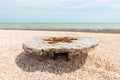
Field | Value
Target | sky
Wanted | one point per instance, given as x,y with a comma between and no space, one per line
59,11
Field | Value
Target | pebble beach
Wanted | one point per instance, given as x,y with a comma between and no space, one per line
102,63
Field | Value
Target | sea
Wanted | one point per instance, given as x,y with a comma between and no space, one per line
63,26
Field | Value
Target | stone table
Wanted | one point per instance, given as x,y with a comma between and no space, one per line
52,45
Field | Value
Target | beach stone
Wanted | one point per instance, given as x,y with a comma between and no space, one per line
52,45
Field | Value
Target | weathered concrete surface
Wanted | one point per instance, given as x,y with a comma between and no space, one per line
38,46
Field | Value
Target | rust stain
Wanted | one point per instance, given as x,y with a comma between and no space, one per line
60,39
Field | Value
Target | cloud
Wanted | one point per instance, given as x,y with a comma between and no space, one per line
66,4
59,10
60,4
103,1
70,4
116,6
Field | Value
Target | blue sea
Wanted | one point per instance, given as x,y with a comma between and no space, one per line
63,26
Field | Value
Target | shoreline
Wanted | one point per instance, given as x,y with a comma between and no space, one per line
99,28
87,31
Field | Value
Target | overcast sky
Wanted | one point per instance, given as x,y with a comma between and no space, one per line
83,11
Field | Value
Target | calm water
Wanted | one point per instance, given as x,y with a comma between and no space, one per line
62,26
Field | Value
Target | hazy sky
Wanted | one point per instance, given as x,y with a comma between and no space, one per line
83,11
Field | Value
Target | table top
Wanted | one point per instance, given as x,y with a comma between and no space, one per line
38,43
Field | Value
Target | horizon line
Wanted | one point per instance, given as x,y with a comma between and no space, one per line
59,22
